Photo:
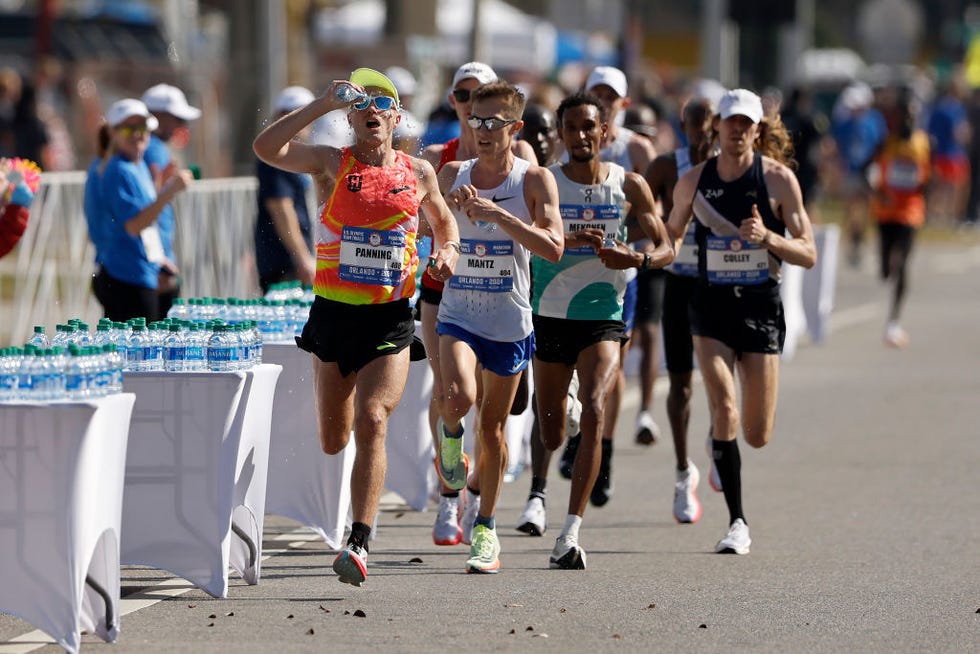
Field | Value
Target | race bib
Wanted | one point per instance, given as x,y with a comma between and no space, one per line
578,216
903,176
686,260
733,261
371,257
484,266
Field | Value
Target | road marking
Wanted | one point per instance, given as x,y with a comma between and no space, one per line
148,597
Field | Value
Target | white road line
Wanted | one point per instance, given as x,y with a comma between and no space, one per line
164,590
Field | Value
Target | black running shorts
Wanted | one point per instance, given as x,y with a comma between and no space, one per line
678,346
745,318
560,340
353,335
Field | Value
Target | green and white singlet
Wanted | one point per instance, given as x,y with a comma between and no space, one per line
579,286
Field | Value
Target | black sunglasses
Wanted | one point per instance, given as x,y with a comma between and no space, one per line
461,95
492,123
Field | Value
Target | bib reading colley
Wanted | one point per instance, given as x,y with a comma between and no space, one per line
366,237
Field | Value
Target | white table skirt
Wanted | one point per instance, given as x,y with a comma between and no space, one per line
61,490
196,473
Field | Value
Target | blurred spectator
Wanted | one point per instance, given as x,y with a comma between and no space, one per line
541,132
408,132
132,255
169,106
807,131
858,129
22,134
282,230
949,135
899,206
442,125
92,203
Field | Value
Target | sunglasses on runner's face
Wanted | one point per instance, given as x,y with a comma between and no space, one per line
128,130
382,102
492,123
461,95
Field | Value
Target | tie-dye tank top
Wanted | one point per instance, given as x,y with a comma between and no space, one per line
366,237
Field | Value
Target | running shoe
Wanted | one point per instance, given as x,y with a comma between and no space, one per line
647,430
446,529
687,508
567,554
736,541
567,460
452,464
603,489
573,407
351,565
533,521
714,480
484,551
895,336
471,509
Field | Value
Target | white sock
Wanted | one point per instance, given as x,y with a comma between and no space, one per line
572,523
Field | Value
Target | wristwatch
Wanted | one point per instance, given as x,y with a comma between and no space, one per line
646,261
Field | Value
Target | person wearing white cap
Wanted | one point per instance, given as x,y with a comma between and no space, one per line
361,325
169,106
132,252
751,218
630,150
449,528
282,228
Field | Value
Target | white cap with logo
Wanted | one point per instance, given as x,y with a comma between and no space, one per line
120,110
741,102
614,78
292,98
167,99
475,70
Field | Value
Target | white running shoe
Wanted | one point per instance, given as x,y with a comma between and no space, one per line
895,336
736,541
573,408
687,508
647,430
351,565
471,509
446,529
533,521
567,554
714,480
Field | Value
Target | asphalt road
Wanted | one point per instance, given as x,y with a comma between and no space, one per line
864,511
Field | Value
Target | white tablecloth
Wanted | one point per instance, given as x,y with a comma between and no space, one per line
61,489
304,483
196,473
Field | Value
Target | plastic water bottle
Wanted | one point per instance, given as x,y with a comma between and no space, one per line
221,349
9,374
82,336
178,309
115,364
154,354
256,340
76,374
174,350
39,338
195,349
137,347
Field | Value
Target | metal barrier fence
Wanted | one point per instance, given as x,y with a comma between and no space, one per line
48,277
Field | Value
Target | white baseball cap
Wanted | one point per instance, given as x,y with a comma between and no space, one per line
292,98
167,99
123,109
614,78
474,70
741,102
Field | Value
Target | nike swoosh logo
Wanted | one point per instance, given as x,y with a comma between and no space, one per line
385,346
496,199
399,189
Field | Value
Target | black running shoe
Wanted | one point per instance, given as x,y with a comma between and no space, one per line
567,461
603,489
